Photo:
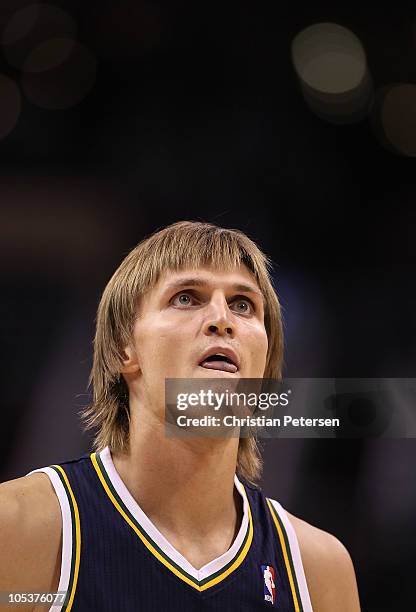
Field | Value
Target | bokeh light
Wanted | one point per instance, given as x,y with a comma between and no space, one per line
331,65
49,54
394,118
30,27
59,74
10,104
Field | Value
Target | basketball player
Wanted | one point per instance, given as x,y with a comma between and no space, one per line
155,523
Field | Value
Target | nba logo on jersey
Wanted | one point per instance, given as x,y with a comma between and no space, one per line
269,586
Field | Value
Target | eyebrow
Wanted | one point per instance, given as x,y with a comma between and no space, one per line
197,282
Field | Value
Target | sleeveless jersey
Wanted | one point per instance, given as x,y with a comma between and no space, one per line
114,559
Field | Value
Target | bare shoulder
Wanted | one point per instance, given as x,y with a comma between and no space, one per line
30,535
328,569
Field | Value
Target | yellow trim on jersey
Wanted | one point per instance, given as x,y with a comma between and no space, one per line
158,556
77,537
286,558
241,556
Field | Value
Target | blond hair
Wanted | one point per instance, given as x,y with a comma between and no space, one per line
182,245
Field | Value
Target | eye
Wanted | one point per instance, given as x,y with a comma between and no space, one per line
182,299
244,306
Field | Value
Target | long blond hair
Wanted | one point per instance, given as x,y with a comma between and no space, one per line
182,245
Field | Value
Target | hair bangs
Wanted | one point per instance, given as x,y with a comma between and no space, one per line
182,246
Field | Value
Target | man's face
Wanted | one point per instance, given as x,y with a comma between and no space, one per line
198,323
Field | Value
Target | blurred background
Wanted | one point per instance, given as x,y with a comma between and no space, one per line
295,124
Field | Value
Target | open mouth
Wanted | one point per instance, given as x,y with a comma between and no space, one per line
219,361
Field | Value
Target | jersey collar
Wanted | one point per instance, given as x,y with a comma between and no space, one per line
201,579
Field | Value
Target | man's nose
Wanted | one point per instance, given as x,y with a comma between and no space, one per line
218,320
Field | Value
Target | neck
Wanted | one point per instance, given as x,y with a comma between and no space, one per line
185,486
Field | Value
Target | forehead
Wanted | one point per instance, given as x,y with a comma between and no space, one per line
239,278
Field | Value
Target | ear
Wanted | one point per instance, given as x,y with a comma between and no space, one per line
131,362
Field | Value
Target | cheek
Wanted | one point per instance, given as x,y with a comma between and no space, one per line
150,349
257,339
262,349
157,344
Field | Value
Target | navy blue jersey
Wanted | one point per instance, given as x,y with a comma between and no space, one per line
114,559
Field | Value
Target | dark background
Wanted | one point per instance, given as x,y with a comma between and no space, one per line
195,112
